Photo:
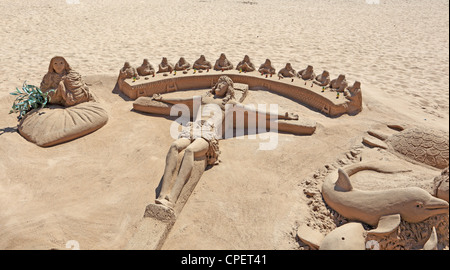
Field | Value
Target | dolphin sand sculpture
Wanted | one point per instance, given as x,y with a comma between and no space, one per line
383,209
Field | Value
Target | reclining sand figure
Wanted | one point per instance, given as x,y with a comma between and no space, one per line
68,84
287,71
246,65
323,79
307,74
198,138
146,68
339,84
223,63
267,68
128,72
182,64
165,66
201,63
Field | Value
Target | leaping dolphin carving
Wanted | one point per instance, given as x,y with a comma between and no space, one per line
384,208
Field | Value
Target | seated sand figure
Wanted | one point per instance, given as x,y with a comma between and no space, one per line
128,72
246,65
287,71
353,93
307,74
68,85
222,63
201,63
198,138
267,68
182,64
165,66
146,68
54,124
339,84
323,79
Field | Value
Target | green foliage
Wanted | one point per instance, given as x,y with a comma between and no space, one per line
31,97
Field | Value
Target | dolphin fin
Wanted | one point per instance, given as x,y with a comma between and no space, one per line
432,242
343,182
387,224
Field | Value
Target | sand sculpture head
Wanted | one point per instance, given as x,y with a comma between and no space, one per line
267,63
182,61
246,59
126,65
164,61
340,78
59,65
146,62
224,88
289,66
222,57
309,69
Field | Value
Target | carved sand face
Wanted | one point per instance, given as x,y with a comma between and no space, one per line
309,69
164,60
288,66
59,65
267,63
246,59
126,65
325,74
341,78
221,89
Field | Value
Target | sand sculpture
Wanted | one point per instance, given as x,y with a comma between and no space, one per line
267,68
339,84
68,84
198,138
440,185
128,72
307,74
354,95
202,63
146,69
350,236
182,64
287,71
381,209
79,115
430,147
323,79
165,66
223,63
246,65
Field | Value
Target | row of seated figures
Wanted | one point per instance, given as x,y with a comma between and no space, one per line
339,84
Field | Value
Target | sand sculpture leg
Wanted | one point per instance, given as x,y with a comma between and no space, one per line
199,146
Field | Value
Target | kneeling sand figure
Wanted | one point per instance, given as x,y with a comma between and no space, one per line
287,71
307,74
201,63
339,84
182,64
68,85
323,79
246,65
128,72
165,66
146,69
267,68
198,138
223,63
353,93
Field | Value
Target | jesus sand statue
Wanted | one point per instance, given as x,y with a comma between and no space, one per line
200,137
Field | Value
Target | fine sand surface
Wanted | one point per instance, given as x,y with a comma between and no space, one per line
94,190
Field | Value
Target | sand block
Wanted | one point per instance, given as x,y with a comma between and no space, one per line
55,125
